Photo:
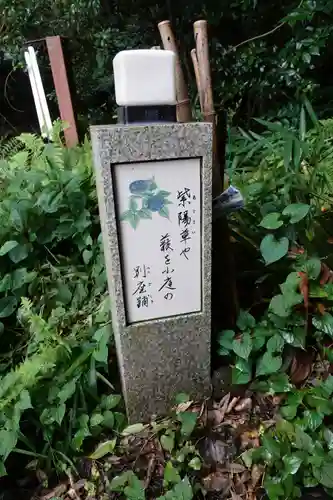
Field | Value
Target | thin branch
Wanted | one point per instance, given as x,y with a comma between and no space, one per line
258,36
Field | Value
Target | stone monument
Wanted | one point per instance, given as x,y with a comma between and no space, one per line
154,186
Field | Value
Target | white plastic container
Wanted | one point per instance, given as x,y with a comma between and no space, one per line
145,77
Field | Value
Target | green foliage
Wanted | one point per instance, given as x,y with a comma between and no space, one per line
54,307
287,177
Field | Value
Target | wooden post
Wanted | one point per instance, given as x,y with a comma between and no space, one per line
60,80
184,113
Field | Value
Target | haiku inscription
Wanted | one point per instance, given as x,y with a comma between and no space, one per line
160,237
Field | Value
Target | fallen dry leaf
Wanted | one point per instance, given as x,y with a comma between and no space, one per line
232,404
234,468
256,474
301,366
244,404
217,481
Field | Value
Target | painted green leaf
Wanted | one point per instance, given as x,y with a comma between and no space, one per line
7,306
245,320
164,212
296,212
134,219
145,213
103,449
133,204
163,193
268,364
243,346
126,215
271,221
272,249
6,247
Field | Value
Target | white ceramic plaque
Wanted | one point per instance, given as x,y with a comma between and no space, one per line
158,205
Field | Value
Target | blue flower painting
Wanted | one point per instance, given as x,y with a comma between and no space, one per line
145,200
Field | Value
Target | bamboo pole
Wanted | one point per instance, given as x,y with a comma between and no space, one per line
202,52
184,113
197,75
224,292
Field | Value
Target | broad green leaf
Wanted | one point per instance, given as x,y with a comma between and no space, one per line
328,435
296,212
324,474
135,489
245,320
195,463
271,221
291,463
103,449
313,419
67,391
243,346
312,268
279,307
274,488
19,253
133,429
273,249
181,491
118,482
8,440
279,383
241,372
58,413
7,306
225,340
108,419
303,441
327,386
24,402
110,402
182,398
168,441
96,419
271,445
3,471
324,323
6,247
171,475
268,364
275,343
188,420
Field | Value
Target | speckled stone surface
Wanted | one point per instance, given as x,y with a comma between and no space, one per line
157,358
